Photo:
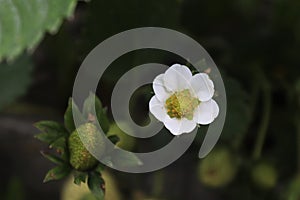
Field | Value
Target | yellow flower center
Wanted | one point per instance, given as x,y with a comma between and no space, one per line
181,105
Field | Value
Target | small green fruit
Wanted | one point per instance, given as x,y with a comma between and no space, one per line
126,142
80,157
264,175
218,168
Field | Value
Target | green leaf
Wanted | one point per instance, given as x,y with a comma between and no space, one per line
88,106
79,177
238,115
114,139
53,158
14,78
51,131
57,173
23,22
96,185
68,117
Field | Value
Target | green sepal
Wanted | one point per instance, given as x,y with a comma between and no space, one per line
60,145
46,137
50,126
126,159
99,168
114,139
68,117
96,185
79,177
107,161
53,158
51,131
88,106
57,173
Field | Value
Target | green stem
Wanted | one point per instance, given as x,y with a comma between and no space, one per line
254,98
262,132
298,141
296,100
158,184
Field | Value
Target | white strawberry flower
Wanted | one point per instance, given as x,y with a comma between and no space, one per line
183,100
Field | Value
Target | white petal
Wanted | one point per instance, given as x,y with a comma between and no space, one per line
179,126
187,126
159,89
157,108
177,78
202,86
206,112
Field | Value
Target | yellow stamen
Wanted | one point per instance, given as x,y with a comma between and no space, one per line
181,105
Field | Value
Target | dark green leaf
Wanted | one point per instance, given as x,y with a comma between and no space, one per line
68,117
57,173
53,158
79,177
96,185
114,139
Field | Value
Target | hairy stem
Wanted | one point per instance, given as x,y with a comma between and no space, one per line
254,98
158,183
297,124
262,132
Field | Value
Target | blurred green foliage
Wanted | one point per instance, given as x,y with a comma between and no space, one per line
23,23
15,189
15,79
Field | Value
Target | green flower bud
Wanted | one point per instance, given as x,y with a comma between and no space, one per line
80,157
294,189
264,175
218,168
126,142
